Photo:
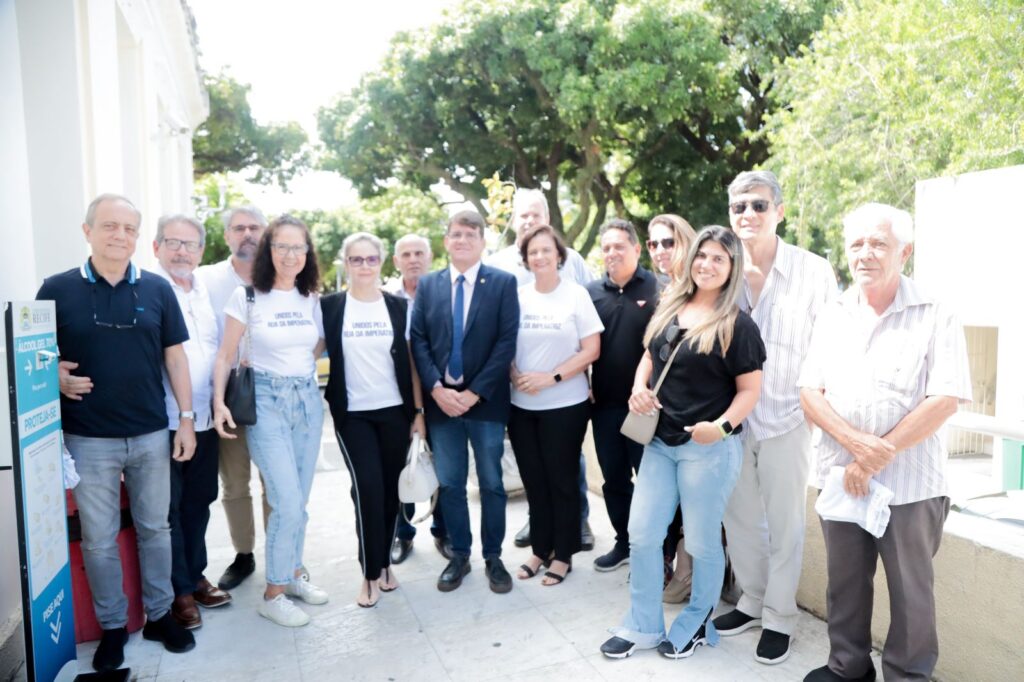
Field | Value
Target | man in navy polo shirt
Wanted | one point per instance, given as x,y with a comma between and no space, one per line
118,327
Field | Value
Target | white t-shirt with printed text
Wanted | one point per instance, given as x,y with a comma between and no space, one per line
285,328
551,327
366,339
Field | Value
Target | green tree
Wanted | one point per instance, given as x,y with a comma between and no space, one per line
231,140
892,93
632,107
393,213
209,187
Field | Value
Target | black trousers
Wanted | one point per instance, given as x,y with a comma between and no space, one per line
374,444
619,458
193,490
547,448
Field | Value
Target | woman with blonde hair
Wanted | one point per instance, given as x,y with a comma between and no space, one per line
374,395
714,354
668,241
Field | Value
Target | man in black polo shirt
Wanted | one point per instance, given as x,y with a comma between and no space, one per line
117,328
625,299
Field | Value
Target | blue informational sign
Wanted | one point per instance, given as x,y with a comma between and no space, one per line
34,392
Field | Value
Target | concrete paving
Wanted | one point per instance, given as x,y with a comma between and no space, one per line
533,633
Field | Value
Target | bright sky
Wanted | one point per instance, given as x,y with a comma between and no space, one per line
297,56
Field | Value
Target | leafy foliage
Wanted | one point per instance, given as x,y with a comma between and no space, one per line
892,93
231,140
635,106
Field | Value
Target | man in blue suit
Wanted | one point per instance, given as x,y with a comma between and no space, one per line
463,334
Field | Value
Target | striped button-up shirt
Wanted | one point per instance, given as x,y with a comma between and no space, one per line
876,370
797,288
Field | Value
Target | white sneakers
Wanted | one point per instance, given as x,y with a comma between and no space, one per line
301,588
282,611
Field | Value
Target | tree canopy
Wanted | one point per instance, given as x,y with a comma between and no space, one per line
892,93
231,140
632,107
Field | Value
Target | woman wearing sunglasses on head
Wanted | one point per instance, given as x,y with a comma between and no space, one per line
714,353
668,242
283,337
374,395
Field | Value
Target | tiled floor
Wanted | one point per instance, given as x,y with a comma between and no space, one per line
418,633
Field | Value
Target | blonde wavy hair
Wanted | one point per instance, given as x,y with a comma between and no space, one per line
720,324
684,235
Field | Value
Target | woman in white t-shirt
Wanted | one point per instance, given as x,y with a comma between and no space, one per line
285,336
374,396
559,337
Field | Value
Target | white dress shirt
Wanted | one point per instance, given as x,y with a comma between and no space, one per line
797,288
467,296
220,280
876,370
200,349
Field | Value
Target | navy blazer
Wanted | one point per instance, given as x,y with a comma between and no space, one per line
488,343
333,307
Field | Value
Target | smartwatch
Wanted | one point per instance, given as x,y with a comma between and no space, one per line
558,378
725,427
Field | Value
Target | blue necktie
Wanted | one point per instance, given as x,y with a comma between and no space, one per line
455,361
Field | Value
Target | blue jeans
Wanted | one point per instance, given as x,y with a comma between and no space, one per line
145,462
451,461
702,478
284,444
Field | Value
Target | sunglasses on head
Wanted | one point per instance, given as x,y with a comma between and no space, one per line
668,243
759,206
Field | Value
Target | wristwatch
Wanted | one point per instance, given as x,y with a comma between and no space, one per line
558,378
187,414
724,426
419,410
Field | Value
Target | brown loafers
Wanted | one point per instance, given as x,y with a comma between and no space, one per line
210,596
185,612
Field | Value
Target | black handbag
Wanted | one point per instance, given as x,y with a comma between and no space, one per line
240,393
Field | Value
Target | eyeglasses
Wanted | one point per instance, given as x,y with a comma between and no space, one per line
359,261
668,243
113,325
176,244
759,206
673,335
239,229
292,249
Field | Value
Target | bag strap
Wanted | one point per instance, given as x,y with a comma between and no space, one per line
250,301
664,372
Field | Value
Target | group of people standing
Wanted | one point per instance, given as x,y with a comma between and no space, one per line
740,343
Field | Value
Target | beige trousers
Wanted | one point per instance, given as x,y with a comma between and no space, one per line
235,475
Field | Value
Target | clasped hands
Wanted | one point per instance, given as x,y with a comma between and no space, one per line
871,454
454,403
531,383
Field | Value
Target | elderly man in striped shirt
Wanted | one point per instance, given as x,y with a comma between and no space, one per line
886,368
785,287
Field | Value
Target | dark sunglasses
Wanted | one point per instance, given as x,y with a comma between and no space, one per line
759,206
357,261
136,308
668,243
673,335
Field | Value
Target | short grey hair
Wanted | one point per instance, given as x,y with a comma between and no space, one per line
228,215
526,195
413,237
90,213
874,214
172,218
750,180
357,237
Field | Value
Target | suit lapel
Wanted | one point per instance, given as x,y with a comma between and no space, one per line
445,282
478,294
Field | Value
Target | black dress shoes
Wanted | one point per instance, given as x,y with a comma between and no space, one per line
497,576
453,573
175,638
400,550
444,547
825,674
240,569
522,538
110,653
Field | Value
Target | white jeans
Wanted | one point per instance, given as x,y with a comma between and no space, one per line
764,526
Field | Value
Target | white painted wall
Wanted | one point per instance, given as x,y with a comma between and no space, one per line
969,240
100,96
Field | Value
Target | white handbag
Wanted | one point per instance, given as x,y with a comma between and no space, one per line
417,481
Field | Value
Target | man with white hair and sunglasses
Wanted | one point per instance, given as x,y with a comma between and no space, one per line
887,366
